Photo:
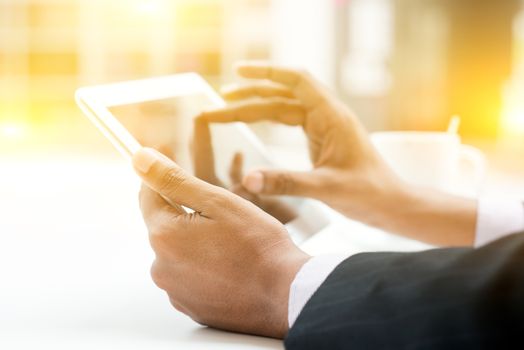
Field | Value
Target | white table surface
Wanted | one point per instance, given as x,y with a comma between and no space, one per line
75,259
74,264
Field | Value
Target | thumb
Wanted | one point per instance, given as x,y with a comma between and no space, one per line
165,177
275,182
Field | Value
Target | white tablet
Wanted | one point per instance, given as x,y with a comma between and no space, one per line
159,113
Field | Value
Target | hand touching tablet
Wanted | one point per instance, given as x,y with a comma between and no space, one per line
349,175
348,172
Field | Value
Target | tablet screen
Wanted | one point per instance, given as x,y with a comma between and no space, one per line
168,126
165,125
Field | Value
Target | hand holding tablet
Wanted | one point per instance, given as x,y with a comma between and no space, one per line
229,265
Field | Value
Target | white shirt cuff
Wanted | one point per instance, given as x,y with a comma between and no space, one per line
497,218
308,280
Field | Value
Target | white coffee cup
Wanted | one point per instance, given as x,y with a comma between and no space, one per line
433,159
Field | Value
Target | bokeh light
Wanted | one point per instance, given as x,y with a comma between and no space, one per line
398,64
12,131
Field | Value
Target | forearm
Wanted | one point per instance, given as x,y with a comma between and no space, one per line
427,215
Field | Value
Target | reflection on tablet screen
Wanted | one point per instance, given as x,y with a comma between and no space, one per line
166,125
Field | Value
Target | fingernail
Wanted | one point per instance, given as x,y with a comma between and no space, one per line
144,159
254,182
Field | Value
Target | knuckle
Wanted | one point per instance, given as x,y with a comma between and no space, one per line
200,120
201,321
280,101
199,318
303,75
281,184
177,305
310,81
159,275
159,239
156,243
218,199
171,180
302,72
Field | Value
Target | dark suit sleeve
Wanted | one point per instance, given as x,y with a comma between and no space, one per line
457,298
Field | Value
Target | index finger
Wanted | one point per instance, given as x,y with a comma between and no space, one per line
203,156
235,169
306,88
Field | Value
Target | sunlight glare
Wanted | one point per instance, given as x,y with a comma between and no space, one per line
513,120
149,7
11,131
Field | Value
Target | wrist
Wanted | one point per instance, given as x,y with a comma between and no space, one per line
394,208
282,268
429,215
369,196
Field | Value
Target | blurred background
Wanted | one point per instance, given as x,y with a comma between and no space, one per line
400,64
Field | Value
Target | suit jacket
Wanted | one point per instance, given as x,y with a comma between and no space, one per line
458,298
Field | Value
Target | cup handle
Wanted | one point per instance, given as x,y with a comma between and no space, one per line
472,166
